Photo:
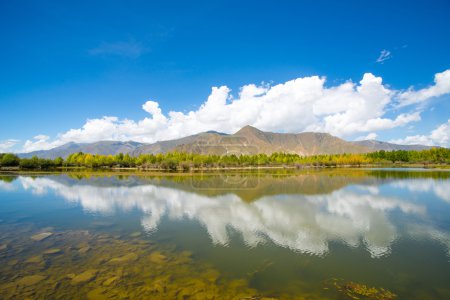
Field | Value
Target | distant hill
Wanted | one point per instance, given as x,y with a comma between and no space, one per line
248,140
171,145
102,147
377,145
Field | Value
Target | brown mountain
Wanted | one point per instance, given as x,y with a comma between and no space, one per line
250,140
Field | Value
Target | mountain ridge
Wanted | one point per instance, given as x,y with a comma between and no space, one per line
379,145
247,140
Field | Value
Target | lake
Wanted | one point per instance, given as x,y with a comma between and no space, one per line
308,234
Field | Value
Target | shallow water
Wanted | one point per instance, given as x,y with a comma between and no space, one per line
325,234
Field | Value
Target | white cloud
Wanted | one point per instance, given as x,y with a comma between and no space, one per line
384,55
438,137
370,136
302,104
42,137
40,142
7,145
441,87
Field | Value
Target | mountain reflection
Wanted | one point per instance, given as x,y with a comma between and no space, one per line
356,215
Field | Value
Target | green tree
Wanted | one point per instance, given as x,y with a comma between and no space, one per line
10,160
58,161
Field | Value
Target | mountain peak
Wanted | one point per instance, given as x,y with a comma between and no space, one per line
248,129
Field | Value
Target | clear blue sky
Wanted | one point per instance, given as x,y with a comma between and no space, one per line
63,62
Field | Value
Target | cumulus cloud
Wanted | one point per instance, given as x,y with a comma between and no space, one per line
302,104
384,55
441,87
439,136
7,145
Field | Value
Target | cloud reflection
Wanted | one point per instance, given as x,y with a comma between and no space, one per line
441,188
303,223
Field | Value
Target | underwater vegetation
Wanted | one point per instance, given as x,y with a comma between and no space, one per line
354,290
80,264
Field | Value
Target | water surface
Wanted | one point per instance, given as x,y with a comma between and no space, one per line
325,234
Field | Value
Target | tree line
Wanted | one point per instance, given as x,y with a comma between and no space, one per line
187,161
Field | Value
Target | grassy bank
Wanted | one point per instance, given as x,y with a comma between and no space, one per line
177,161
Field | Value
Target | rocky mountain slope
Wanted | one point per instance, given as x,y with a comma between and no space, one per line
248,140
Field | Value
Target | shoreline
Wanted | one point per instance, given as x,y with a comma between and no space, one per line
214,170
